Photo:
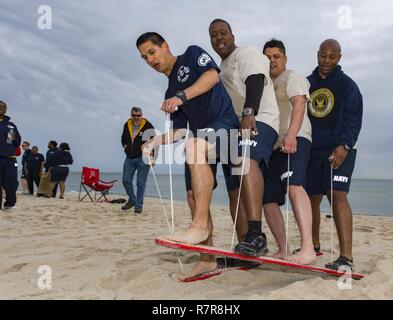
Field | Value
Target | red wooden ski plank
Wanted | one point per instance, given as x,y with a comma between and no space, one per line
268,260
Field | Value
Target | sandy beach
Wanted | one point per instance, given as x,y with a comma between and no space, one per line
97,251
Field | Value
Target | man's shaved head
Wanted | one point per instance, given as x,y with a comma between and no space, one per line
331,44
329,55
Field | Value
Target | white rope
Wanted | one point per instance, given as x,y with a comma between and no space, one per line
331,213
168,120
159,194
238,199
287,203
166,216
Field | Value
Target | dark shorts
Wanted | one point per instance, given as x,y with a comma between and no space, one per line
223,140
260,147
59,174
276,182
319,172
231,181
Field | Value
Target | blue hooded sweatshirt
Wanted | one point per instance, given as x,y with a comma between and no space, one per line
335,110
8,149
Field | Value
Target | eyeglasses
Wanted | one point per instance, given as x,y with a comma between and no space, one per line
136,115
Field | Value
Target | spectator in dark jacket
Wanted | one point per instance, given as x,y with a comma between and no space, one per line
52,147
58,165
132,142
9,140
34,167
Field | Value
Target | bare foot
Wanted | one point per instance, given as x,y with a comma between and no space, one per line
303,257
192,235
201,267
280,254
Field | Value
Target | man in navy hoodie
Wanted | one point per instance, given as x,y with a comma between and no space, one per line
9,140
335,111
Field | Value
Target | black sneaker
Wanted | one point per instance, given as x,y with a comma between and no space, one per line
128,206
235,263
138,210
254,244
341,262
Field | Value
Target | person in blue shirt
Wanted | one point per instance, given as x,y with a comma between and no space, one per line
9,140
335,111
26,152
52,147
58,165
34,167
196,96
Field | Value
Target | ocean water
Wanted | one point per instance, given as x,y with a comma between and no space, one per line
372,197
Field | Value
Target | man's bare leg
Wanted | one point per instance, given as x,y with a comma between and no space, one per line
342,215
252,191
202,185
254,243
207,262
316,218
303,214
242,221
276,224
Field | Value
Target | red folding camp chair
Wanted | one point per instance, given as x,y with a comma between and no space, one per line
90,180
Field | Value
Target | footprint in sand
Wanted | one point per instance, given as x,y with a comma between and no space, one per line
15,267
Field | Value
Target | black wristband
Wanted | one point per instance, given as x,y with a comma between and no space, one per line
181,95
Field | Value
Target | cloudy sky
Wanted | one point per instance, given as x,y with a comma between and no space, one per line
77,81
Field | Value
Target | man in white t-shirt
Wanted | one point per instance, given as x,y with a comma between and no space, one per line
290,156
245,74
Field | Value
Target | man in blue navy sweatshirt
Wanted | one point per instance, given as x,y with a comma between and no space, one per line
335,111
9,140
195,95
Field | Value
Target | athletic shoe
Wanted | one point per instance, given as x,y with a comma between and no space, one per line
8,208
253,244
343,263
235,263
138,210
128,206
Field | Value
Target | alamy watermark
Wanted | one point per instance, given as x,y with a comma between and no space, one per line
344,20
204,146
44,21
44,282
345,281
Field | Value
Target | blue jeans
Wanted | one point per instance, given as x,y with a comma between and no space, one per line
129,168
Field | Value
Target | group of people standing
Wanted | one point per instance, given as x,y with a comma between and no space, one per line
49,172
298,135
34,166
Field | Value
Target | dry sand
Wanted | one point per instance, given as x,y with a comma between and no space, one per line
97,251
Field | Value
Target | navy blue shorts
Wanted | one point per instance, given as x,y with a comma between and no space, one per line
260,147
59,174
276,182
231,181
222,139
319,175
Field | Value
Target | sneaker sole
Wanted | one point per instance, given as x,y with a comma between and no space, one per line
253,254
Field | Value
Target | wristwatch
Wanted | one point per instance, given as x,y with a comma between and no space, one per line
248,112
347,147
181,95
